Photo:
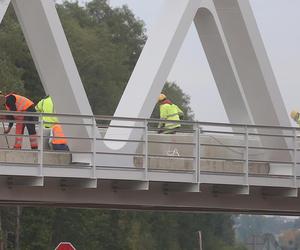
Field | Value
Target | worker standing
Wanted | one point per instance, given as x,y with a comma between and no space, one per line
57,139
14,102
170,112
295,115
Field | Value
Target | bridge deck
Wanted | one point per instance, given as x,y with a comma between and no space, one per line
212,169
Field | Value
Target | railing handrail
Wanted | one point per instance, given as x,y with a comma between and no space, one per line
244,135
149,120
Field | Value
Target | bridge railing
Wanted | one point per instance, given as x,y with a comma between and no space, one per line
199,152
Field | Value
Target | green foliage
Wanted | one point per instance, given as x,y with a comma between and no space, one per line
248,225
92,229
106,44
36,228
10,71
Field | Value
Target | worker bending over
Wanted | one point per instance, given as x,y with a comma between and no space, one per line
295,115
170,112
14,102
57,139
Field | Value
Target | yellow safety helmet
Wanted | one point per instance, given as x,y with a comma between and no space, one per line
294,115
162,97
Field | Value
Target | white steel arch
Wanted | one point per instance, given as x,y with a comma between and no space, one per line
54,61
235,52
3,7
231,40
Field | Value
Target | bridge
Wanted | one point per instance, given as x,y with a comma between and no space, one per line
205,167
120,162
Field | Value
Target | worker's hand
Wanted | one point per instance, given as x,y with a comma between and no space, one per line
7,130
160,131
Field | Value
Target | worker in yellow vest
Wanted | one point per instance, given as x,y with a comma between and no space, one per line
14,102
170,112
57,139
295,115
46,106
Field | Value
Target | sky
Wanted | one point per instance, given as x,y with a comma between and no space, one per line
278,22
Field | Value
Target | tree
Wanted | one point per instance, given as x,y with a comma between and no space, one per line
106,44
10,72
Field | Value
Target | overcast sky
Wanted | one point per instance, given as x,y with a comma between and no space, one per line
278,21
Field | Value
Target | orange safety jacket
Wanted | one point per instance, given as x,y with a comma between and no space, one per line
22,103
58,135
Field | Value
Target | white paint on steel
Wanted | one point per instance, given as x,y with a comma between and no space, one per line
242,73
154,65
3,7
259,85
153,199
54,62
212,37
222,173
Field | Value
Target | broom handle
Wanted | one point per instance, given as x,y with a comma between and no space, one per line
7,143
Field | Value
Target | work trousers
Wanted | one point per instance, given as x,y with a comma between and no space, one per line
20,127
60,147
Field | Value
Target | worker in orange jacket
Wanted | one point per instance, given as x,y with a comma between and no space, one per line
14,102
58,139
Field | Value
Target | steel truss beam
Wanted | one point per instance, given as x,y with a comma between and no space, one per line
235,52
3,7
241,72
54,61
155,199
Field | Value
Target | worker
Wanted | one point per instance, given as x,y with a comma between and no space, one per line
14,102
46,106
57,139
295,116
171,112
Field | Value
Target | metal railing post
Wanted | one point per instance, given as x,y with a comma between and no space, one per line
295,157
94,129
199,153
146,148
41,151
246,157
196,152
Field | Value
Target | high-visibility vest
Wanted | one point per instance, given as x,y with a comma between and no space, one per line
170,112
57,134
46,106
22,103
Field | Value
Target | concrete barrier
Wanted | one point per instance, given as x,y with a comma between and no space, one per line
167,153
28,157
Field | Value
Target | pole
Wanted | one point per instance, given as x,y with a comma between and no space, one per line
200,239
18,228
7,143
1,234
